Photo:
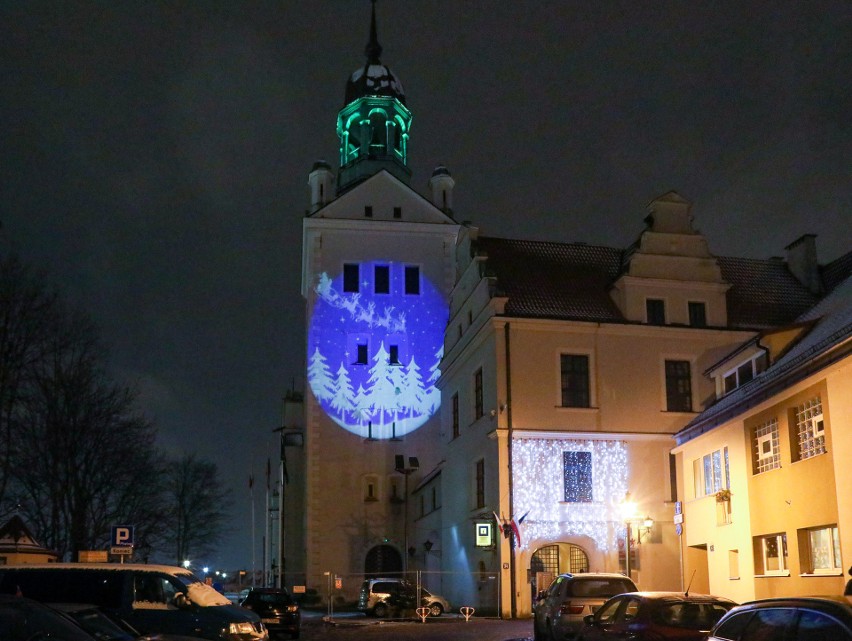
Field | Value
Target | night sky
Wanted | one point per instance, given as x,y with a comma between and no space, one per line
155,159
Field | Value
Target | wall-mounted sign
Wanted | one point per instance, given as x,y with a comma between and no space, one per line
484,535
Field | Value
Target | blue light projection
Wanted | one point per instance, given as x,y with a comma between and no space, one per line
367,350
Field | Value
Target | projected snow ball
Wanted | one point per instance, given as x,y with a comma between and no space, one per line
375,341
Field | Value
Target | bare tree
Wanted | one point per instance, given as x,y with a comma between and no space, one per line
198,507
86,459
28,311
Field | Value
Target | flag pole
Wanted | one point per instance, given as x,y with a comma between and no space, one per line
253,534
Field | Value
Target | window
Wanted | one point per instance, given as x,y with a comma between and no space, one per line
766,454
393,354
744,372
368,211
678,387
434,498
655,311
382,279
820,550
350,277
809,438
770,554
393,487
477,395
711,473
733,564
480,484
362,354
412,280
577,476
697,314
397,212
455,411
371,491
575,380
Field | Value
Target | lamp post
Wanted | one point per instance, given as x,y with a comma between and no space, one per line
406,471
290,437
629,514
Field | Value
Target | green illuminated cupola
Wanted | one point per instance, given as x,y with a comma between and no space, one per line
374,123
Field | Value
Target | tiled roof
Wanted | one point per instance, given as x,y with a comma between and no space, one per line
568,281
836,271
834,316
571,281
763,293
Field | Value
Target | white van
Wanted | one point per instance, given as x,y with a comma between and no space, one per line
152,598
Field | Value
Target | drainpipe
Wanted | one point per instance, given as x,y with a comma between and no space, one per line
506,334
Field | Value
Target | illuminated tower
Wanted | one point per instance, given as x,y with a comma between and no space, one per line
378,265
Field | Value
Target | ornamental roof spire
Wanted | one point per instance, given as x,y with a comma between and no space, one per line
373,48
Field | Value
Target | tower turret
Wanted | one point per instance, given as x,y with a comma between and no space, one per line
374,124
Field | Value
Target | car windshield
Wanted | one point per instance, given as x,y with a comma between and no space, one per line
598,588
273,598
694,616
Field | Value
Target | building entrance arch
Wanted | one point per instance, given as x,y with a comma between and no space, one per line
382,560
556,558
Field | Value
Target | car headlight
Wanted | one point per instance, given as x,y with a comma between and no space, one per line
292,608
241,628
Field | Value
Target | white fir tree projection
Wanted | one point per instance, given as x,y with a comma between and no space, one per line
367,352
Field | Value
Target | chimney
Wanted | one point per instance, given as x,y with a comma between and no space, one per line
802,262
321,182
442,184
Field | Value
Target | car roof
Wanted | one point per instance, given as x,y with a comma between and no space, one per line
681,597
828,602
594,575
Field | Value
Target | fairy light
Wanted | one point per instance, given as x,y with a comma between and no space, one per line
540,484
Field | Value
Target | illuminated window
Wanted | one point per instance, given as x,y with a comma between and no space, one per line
678,387
697,314
770,554
766,452
477,395
575,380
455,410
711,473
412,279
382,279
351,276
820,550
809,437
577,476
655,311
480,484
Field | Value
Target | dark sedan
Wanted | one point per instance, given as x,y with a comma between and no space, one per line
642,616
790,619
277,609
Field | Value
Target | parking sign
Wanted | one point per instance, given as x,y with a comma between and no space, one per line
122,536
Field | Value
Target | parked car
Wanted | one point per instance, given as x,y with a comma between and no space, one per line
559,610
787,619
646,616
27,620
109,627
277,609
151,598
382,597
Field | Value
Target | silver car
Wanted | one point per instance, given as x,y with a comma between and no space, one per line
560,609
378,597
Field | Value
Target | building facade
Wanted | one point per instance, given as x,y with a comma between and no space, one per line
482,413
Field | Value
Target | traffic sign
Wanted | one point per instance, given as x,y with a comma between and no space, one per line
122,536
121,550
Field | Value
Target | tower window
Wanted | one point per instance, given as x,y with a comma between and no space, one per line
678,386
393,354
382,279
368,211
397,212
351,276
412,279
362,354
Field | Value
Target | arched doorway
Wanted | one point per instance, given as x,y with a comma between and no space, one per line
382,560
550,560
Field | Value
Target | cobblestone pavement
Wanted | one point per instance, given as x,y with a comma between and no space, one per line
448,627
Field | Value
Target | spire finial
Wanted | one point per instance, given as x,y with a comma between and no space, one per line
373,48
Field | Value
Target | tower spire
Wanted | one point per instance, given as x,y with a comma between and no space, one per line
373,48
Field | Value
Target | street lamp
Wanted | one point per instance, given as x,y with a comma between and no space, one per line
406,471
628,514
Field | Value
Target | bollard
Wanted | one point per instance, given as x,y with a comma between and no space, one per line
467,612
423,612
